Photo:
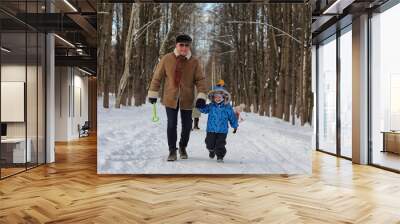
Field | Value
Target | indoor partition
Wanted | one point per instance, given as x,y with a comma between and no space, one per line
22,78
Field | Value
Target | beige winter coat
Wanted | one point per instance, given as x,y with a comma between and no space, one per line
192,75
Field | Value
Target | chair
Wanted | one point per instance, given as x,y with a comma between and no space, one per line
84,130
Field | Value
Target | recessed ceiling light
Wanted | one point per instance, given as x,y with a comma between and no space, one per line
5,50
70,5
338,6
64,40
84,71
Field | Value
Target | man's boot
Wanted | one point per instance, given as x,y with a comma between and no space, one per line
183,153
172,155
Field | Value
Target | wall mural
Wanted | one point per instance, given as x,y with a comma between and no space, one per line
205,88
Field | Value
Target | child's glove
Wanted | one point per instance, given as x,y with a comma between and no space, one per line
234,130
200,103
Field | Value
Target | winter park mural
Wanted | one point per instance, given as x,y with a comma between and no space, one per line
204,88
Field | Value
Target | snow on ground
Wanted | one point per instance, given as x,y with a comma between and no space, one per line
130,143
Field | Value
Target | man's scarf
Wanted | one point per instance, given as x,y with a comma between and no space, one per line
178,69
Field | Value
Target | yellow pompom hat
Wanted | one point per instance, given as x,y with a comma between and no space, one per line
221,82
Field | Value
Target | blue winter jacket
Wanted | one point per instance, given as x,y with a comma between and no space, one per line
218,117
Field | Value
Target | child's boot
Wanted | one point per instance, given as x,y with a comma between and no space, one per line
211,154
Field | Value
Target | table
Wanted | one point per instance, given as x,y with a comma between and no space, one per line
391,141
13,150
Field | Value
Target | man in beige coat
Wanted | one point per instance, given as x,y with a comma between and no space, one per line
181,73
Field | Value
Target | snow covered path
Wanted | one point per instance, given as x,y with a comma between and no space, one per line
130,143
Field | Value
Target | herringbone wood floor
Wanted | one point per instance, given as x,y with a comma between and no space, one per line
70,191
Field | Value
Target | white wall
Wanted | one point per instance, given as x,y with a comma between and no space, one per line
33,126
12,100
17,73
80,84
62,81
71,87
12,73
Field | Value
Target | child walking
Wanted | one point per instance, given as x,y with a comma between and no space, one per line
220,113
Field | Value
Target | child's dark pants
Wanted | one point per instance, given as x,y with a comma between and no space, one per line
216,142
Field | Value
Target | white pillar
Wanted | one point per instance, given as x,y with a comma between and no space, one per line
314,91
50,99
360,90
50,92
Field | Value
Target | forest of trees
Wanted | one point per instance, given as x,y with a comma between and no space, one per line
262,51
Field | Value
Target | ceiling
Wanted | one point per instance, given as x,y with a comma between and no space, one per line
207,1
330,15
74,22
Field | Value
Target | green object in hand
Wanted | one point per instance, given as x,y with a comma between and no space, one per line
155,118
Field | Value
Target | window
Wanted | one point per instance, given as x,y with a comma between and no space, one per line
332,78
346,92
327,95
385,89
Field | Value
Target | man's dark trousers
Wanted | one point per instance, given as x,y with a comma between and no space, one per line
186,120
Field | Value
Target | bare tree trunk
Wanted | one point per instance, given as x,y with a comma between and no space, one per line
287,65
128,49
104,49
307,96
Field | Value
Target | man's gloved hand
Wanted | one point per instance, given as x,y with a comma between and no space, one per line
234,130
200,103
152,100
